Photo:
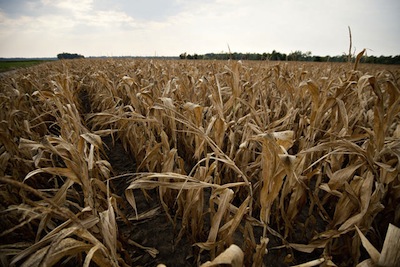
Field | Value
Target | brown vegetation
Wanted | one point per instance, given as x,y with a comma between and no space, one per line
283,160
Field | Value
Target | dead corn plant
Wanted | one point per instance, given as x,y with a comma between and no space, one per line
307,153
65,204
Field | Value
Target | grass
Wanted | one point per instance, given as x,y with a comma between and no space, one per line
13,65
298,158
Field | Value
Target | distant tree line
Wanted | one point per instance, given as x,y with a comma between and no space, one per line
69,56
293,56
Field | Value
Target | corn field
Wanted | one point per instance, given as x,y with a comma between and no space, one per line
281,163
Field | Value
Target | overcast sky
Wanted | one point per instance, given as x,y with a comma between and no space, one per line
44,28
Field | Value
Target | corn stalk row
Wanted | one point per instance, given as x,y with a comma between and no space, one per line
299,152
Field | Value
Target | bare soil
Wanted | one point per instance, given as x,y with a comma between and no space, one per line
156,230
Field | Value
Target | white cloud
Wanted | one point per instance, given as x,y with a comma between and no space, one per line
170,27
76,6
109,19
82,12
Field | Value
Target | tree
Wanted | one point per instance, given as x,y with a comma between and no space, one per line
293,56
183,56
277,56
69,56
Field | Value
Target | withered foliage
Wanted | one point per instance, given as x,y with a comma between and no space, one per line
238,152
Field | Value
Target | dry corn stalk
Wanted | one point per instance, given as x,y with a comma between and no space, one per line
232,256
389,256
326,155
